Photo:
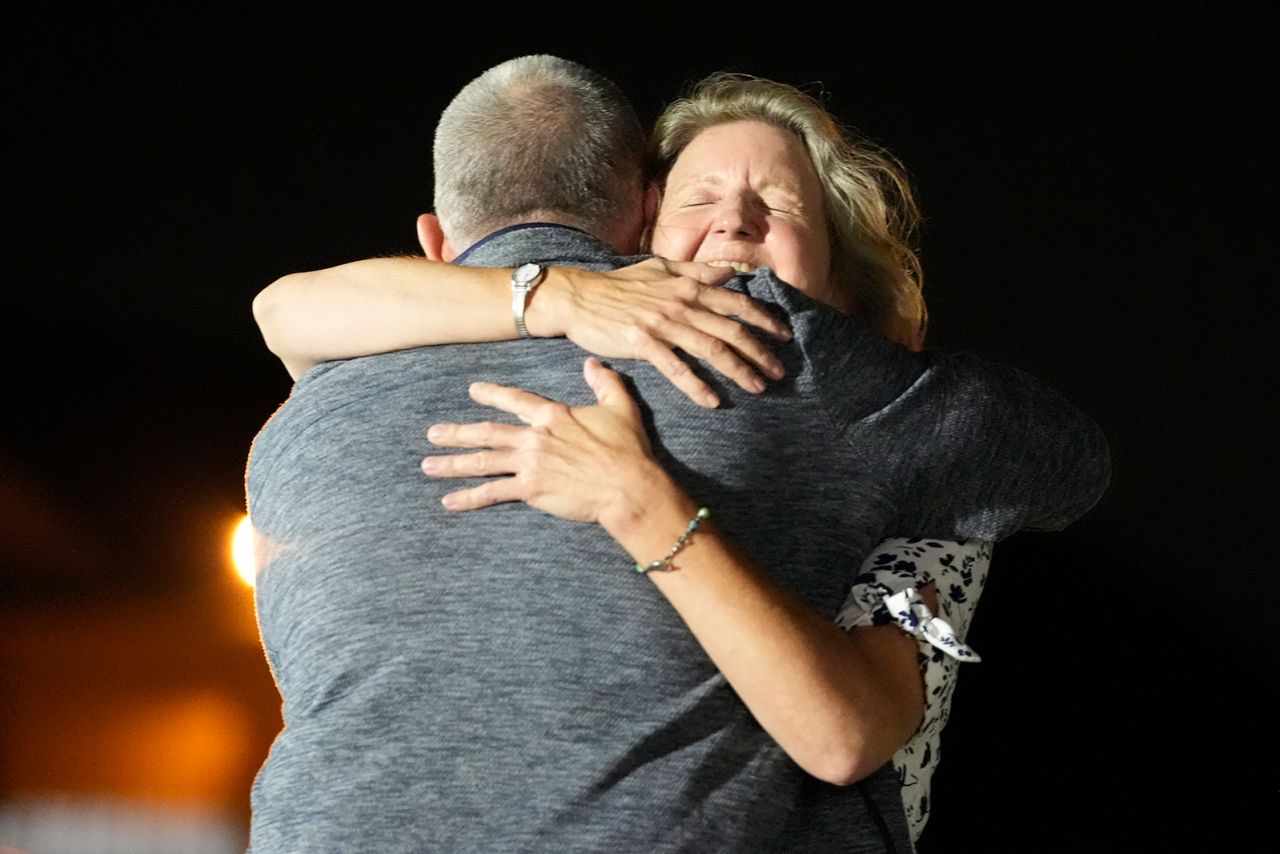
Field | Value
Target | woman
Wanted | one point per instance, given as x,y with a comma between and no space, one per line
756,174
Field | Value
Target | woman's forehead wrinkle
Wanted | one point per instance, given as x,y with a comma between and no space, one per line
705,179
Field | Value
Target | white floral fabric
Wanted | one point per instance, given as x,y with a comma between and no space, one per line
886,590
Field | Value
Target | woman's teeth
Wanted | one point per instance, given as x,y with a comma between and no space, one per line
740,266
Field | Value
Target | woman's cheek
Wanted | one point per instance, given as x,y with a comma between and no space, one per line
676,240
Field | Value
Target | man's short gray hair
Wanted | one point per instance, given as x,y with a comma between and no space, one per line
533,136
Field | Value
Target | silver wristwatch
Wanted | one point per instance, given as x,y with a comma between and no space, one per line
525,278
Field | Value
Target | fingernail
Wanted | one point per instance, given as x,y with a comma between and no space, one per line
429,465
757,385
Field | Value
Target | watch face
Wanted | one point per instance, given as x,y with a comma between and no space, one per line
526,273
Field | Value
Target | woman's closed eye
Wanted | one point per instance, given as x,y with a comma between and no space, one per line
781,205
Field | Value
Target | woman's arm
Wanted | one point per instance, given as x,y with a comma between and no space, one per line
643,311
896,586
839,703
378,305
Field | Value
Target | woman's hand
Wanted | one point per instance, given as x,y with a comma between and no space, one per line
838,704
647,310
588,464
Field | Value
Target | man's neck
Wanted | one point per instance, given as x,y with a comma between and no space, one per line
466,253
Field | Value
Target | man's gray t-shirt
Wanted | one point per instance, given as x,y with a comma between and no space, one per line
500,680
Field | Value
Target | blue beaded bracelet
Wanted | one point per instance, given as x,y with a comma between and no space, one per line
665,564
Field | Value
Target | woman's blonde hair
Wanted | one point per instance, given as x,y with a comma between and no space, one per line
872,216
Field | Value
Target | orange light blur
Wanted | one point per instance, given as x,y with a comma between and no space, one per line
242,551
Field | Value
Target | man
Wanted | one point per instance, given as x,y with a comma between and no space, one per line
497,680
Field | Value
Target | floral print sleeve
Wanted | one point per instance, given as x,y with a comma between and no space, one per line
885,591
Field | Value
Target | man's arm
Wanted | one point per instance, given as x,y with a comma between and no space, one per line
977,449
1000,451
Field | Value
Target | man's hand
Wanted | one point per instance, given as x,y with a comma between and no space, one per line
649,309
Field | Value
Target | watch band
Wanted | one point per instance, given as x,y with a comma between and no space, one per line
524,279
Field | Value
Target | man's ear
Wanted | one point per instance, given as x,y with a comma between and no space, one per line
650,216
431,238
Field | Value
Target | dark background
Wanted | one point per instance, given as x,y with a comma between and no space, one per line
1098,195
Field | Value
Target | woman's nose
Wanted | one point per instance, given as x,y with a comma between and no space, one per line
738,218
